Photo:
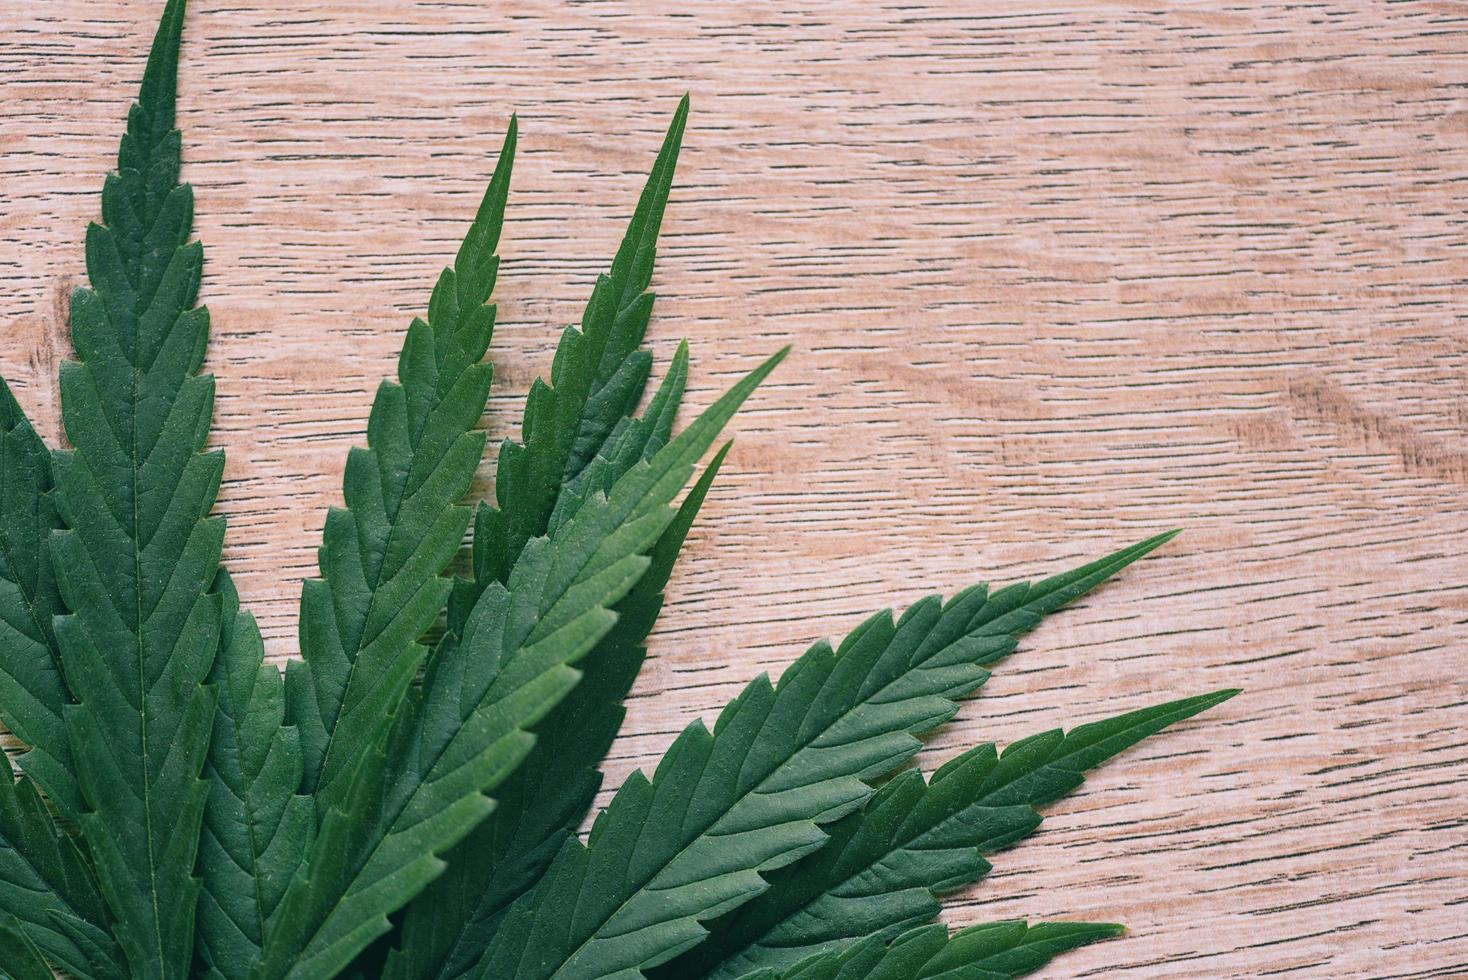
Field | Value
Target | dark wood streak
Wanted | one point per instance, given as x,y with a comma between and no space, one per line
1058,276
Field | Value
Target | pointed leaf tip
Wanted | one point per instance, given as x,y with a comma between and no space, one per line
757,377
1156,541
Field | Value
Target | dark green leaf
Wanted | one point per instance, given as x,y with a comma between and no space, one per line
382,557
884,866
995,951
450,924
468,727
752,796
135,565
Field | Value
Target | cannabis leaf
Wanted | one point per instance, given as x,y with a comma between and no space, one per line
884,865
139,554
689,845
380,587
551,793
996,951
465,731
395,808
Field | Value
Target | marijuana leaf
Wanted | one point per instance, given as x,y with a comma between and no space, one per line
995,951
884,866
447,928
466,730
380,587
140,553
597,377
752,796
287,818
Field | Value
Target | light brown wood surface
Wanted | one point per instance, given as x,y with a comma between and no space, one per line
1058,275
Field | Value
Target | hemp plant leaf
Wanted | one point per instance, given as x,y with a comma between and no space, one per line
726,807
994,951
383,555
550,795
464,730
885,865
405,800
139,551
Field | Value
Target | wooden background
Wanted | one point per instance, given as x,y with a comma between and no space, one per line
1058,275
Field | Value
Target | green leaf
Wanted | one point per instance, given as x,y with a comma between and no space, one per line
994,951
752,796
884,866
382,557
597,378
599,373
256,825
467,728
448,927
135,564
19,957
47,889
33,692
286,819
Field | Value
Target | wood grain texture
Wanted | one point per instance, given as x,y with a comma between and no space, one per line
1058,275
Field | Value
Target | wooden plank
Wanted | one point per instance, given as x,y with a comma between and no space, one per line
1058,275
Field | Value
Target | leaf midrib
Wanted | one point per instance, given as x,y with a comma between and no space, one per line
140,308
139,648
